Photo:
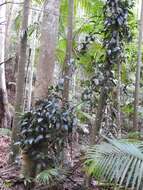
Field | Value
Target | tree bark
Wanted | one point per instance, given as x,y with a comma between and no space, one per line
3,91
9,17
49,34
30,75
66,66
99,115
138,70
20,83
45,67
33,45
119,99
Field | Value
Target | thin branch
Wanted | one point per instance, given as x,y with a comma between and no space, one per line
6,61
2,23
7,2
35,9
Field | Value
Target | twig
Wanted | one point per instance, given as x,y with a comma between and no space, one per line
9,59
7,2
2,23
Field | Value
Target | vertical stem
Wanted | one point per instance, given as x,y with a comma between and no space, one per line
27,74
66,67
119,98
3,90
99,114
9,10
31,70
20,83
137,83
119,67
48,42
33,44
31,66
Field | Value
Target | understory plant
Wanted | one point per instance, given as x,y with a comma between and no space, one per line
44,132
119,163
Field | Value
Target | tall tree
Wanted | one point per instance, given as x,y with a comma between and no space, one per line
20,83
119,68
9,17
49,34
30,66
3,91
115,33
137,84
67,61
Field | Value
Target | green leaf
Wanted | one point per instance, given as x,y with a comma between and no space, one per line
118,161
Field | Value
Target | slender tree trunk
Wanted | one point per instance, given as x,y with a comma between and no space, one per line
137,84
45,67
119,67
30,77
67,62
33,45
20,83
3,91
28,66
49,34
119,99
9,16
66,66
103,98
99,115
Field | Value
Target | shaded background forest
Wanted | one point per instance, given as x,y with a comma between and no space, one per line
71,93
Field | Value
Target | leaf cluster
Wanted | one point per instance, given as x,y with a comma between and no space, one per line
50,176
116,29
117,161
49,122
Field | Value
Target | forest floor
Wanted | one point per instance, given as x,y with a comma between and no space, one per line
9,174
4,149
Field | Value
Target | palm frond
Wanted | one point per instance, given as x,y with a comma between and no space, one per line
50,176
88,6
118,161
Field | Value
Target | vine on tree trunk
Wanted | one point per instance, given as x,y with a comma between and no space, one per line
116,33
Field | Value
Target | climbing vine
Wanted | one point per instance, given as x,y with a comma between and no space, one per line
116,29
45,128
116,34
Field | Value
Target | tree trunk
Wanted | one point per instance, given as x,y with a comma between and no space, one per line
137,84
3,91
99,115
45,67
9,17
119,99
28,67
30,75
33,45
20,83
66,66
49,33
